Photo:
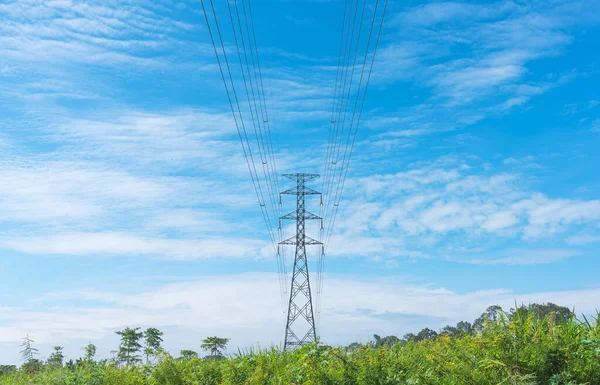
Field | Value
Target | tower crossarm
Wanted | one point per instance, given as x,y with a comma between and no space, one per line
294,215
294,241
300,191
301,176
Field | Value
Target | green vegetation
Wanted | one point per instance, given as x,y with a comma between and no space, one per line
536,344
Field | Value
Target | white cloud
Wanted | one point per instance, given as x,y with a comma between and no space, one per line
438,206
246,308
127,244
522,257
583,239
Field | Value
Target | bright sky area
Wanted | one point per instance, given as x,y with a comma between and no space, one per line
125,199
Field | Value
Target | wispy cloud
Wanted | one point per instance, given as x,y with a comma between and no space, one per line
353,310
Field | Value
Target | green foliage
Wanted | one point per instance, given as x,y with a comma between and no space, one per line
130,346
89,352
153,339
56,358
7,369
188,354
516,347
214,345
28,352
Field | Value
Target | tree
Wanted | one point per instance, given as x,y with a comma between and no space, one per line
29,352
214,345
188,354
386,341
408,337
89,352
56,358
130,346
153,338
425,334
461,329
559,313
492,313
354,346
7,369
32,366
464,328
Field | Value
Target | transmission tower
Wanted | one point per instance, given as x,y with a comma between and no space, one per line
300,317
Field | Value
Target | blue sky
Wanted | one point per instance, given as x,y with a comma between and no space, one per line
125,199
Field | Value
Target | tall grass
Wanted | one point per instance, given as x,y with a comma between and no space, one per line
520,350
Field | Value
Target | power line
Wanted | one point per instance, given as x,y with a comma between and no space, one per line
247,150
341,188
263,143
335,155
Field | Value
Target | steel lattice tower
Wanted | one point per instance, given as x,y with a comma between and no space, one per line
300,317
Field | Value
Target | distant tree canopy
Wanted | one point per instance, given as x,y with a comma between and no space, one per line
385,341
463,328
188,354
89,352
56,358
130,346
214,345
153,339
7,369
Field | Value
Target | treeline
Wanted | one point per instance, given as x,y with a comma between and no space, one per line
557,313
136,347
529,345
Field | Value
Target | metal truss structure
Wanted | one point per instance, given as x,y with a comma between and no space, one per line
300,325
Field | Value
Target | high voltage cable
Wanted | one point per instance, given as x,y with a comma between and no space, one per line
338,102
345,49
343,172
252,101
263,134
333,104
331,122
340,189
337,146
244,140
339,92
267,126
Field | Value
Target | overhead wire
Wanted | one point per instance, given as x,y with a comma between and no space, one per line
258,121
275,176
340,188
348,150
349,42
337,106
326,167
239,119
264,136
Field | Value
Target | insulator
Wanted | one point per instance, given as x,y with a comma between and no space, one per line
334,162
264,162
265,121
